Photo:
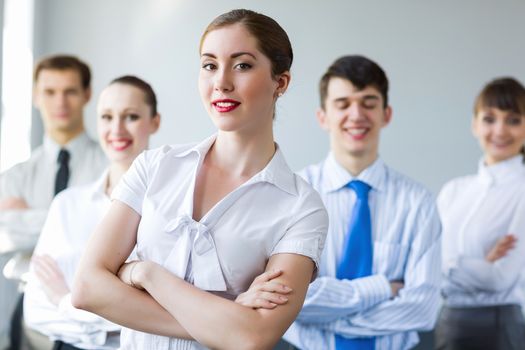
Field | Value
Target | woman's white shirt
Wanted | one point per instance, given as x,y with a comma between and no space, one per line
274,212
73,216
476,211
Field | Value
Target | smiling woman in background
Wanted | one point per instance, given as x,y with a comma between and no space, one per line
483,218
127,116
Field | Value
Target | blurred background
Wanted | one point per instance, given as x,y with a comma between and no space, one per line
437,56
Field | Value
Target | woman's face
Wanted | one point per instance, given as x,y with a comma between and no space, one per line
501,134
235,81
124,122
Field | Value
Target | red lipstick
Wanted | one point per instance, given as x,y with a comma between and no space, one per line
225,105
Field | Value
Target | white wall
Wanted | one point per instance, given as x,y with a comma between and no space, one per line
436,54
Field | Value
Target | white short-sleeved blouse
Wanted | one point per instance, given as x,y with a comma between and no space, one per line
274,212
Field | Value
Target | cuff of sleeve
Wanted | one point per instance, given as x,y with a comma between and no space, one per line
67,310
373,289
65,304
127,198
451,265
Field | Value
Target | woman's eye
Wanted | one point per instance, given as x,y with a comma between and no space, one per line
514,120
208,66
106,117
132,117
243,66
488,119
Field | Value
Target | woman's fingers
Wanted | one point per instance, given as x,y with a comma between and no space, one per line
267,276
275,287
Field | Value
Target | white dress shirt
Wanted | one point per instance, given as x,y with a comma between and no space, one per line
73,216
34,179
406,237
477,211
274,212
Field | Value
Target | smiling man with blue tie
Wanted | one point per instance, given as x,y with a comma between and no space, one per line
380,270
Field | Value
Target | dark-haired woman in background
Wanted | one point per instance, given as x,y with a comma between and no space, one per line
126,117
483,218
208,218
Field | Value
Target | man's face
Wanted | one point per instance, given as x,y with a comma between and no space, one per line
353,118
60,97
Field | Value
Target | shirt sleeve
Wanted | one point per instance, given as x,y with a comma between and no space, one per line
132,187
11,182
63,320
306,233
478,274
418,303
329,299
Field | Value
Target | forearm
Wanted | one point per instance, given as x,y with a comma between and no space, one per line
224,324
83,317
329,299
479,274
220,323
122,304
413,311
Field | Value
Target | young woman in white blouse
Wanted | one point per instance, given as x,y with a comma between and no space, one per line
127,116
483,219
206,219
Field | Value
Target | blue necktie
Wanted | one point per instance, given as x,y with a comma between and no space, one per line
356,260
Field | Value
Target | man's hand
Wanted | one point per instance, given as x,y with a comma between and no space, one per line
13,203
265,293
502,247
50,277
396,286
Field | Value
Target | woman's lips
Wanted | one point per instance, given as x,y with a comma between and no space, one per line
120,145
225,105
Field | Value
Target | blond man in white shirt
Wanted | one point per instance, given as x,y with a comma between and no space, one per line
61,90
62,87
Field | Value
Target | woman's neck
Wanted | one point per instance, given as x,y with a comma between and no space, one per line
116,170
242,155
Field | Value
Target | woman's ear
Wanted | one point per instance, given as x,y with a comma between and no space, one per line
155,123
283,80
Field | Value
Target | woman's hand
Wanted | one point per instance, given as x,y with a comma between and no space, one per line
128,274
264,293
50,277
502,247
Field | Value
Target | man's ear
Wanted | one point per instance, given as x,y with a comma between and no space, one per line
322,118
388,116
87,95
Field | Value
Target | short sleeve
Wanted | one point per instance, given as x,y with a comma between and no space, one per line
307,231
133,185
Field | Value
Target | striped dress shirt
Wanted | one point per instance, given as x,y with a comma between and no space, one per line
406,234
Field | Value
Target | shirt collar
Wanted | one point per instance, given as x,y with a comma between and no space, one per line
75,146
276,172
501,172
98,188
336,177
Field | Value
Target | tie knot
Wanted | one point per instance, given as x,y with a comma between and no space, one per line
63,156
360,188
